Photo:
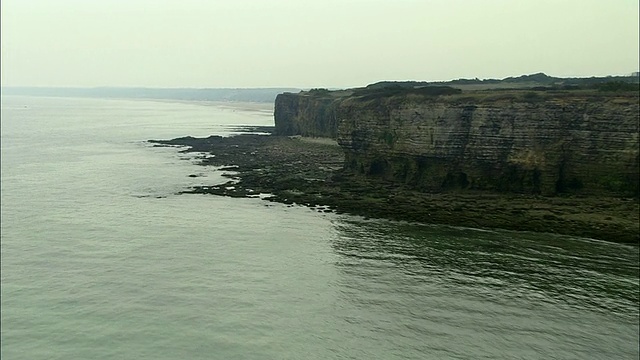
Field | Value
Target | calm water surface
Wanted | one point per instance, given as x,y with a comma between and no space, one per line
100,259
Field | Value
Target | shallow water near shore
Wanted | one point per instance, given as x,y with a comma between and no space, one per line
101,259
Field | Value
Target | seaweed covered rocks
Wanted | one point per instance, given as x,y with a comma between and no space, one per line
311,172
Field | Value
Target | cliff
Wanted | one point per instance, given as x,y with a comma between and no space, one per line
536,142
306,113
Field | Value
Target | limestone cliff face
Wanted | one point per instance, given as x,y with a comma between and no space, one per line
528,142
306,115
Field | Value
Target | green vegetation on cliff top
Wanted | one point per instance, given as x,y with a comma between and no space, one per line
487,89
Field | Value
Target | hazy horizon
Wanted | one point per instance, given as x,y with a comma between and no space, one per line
272,87
294,44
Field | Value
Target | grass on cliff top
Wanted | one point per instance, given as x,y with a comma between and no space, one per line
514,93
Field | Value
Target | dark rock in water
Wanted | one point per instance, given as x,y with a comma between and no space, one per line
229,168
314,171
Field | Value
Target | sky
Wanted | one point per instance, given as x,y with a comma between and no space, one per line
310,43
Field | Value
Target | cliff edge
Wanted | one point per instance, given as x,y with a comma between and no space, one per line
439,138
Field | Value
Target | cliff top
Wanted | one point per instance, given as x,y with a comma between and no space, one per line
491,89
523,81
624,92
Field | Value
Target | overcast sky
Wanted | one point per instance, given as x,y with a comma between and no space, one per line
310,43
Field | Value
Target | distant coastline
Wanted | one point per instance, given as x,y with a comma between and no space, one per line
260,95
538,81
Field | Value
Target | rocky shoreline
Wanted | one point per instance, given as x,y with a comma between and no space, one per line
309,172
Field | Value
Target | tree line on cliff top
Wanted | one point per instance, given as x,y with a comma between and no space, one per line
534,82
539,81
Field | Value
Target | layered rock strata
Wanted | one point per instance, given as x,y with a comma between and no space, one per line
548,143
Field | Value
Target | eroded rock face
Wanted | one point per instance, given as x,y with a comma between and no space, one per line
300,114
526,142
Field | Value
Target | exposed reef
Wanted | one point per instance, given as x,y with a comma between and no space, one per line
310,172
561,158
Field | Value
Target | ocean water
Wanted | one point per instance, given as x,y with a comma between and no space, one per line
100,259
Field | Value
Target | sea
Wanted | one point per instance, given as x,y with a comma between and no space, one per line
102,258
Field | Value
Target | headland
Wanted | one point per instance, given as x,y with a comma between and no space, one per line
560,158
